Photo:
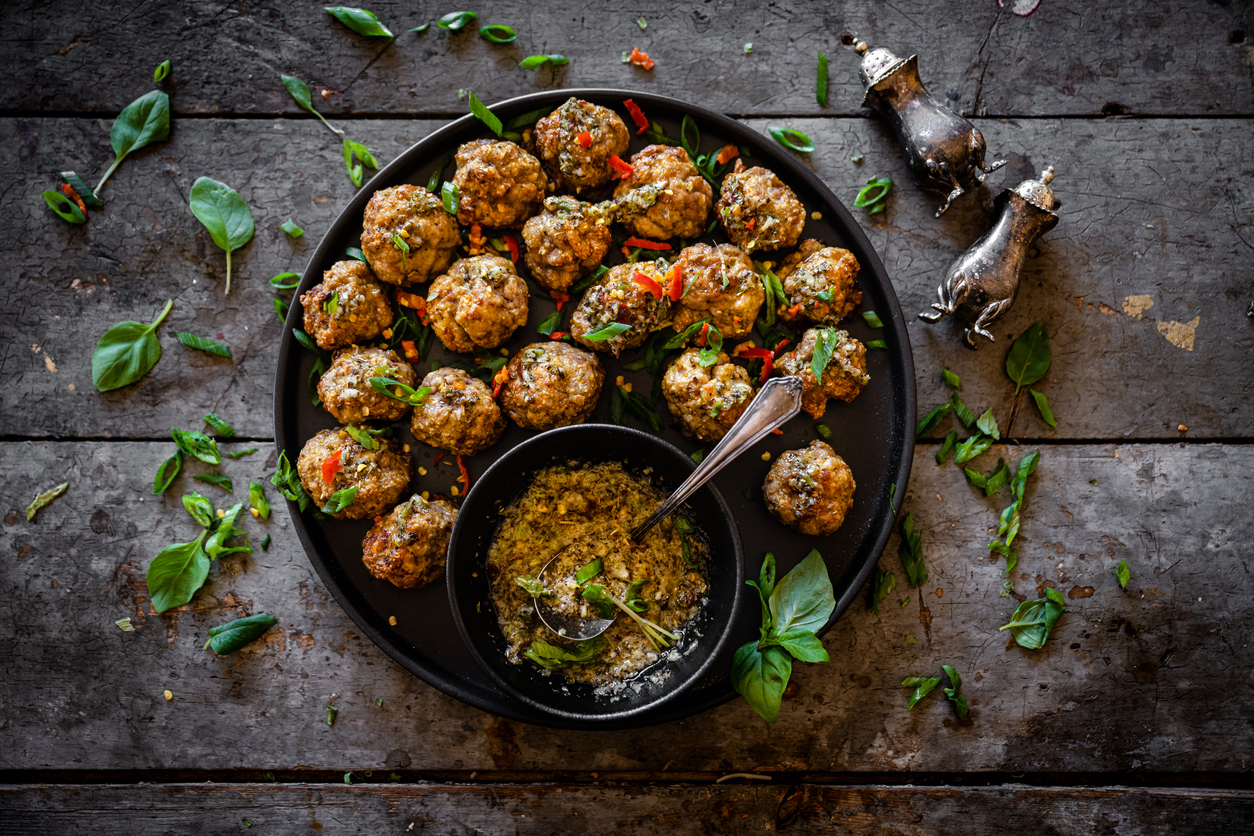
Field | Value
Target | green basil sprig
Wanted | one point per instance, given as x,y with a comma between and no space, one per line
204,344
955,682
66,209
225,214
285,281
230,637
1031,622
872,196
216,546
360,21
1008,524
300,92
46,498
126,352
145,120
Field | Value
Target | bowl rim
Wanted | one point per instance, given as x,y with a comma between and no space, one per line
553,439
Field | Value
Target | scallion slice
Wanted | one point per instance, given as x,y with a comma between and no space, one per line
792,139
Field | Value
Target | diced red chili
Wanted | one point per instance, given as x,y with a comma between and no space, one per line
557,335
465,473
622,168
646,244
751,223
766,356
411,351
648,284
795,309
476,240
436,463
414,302
559,297
331,466
73,195
499,381
585,139
675,288
777,431
779,346
637,116
512,243
641,59
705,330
729,153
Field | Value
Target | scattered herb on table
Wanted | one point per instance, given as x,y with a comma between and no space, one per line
145,120
360,21
162,70
987,424
487,117
792,139
951,379
239,454
1042,405
66,209
642,23
46,498
1122,572
922,685
421,30
1031,622
126,352
998,478
872,196
200,509
285,281
166,472
194,443
257,499
456,21
910,550
959,701
216,545
225,214
80,188
535,62
962,412
356,151
177,572
1008,524
300,92
204,344
947,447
820,87
124,624
972,447
882,583
227,638
332,711
217,480
872,319
1026,363
498,33
289,226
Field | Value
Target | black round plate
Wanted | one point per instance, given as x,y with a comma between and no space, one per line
874,434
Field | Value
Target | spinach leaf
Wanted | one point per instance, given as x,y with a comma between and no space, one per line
230,637
166,472
947,447
803,599
959,701
486,116
360,21
922,687
987,424
933,418
1029,357
551,657
66,209
44,499
126,352
972,447
300,92
225,214
217,480
1031,622
1042,404
595,594
204,344
761,676
216,546
361,152
257,499
1122,572
193,443
882,583
589,572
340,500
145,120
910,550
200,508
951,379
176,573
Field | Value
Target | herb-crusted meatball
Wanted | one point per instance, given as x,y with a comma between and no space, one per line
501,185
810,489
721,284
407,236
478,303
683,198
459,415
551,385
572,163
565,242
407,546
706,400
759,212
819,283
380,473
619,297
345,388
347,307
843,376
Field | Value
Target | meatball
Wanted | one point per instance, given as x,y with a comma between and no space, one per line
705,400
347,307
501,185
379,473
759,212
843,377
459,415
683,198
407,546
572,164
551,385
407,236
565,242
618,297
820,285
479,303
721,284
810,489
345,388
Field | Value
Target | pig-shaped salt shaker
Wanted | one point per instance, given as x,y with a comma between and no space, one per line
981,285
945,151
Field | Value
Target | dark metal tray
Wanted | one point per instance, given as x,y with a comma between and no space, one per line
874,434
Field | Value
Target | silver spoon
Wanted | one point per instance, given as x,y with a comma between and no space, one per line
776,402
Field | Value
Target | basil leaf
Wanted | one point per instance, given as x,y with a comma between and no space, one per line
987,424
307,343
239,454
451,197
1026,468
962,411
300,92
951,380
217,480
287,480
356,253
1011,554
66,209
872,319
163,70
882,583
1028,360
421,30
1122,572
761,676
933,418
166,472
340,500
204,344
549,324
999,477
617,407
600,600
551,657
486,116
456,21
145,120
679,339
285,281
257,499
200,508
360,21
197,444
216,546
697,455
976,478
126,352
910,550
1031,622
972,447
792,139
642,409
1042,404
922,687
955,682
227,638
225,214
823,349
433,184
820,87
607,331
498,33
804,646
803,599
81,189
589,572
176,573
766,580
947,447
289,226
44,499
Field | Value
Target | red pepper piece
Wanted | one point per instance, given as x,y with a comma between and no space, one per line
646,244
512,243
499,381
751,223
411,351
465,474
777,431
766,356
795,309
436,463
622,168
675,287
559,297
637,116
585,139
779,346
331,466
73,195
729,153
557,335
649,285
705,330
641,59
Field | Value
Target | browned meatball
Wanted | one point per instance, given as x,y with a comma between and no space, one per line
759,212
501,185
810,489
407,546
821,283
574,166
459,415
705,400
843,376
408,216
617,297
721,284
345,388
380,474
565,242
683,198
551,385
348,307
479,303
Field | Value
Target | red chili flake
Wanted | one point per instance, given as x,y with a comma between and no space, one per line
779,346
649,285
557,335
675,287
411,351
751,223
465,473
585,139
622,168
729,153
73,195
637,116
331,466
705,330
512,243
436,463
559,297
646,244
641,59
777,432
499,381
795,309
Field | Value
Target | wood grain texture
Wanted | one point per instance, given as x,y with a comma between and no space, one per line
1156,57
1176,229
1150,679
536,809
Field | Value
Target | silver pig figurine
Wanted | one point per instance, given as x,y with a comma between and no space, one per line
945,151
981,284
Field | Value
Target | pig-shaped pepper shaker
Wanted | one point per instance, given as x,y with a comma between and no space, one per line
981,285
945,151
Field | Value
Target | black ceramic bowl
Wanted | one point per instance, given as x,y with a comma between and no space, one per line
476,525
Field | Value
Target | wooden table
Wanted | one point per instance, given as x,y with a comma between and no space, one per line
1137,716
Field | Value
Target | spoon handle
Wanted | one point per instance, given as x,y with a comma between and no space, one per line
778,400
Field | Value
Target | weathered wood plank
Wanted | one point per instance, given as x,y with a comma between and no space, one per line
1114,57
1152,679
1138,226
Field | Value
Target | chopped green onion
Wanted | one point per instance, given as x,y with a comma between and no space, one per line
209,346
159,74
642,24
456,21
748,49
239,454
281,281
289,226
498,33
824,431
872,319
452,197
421,30
70,213
876,344
280,309
951,380
220,426
873,194
124,624
81,189
433,184
821,88
792,139
486,116
535,62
